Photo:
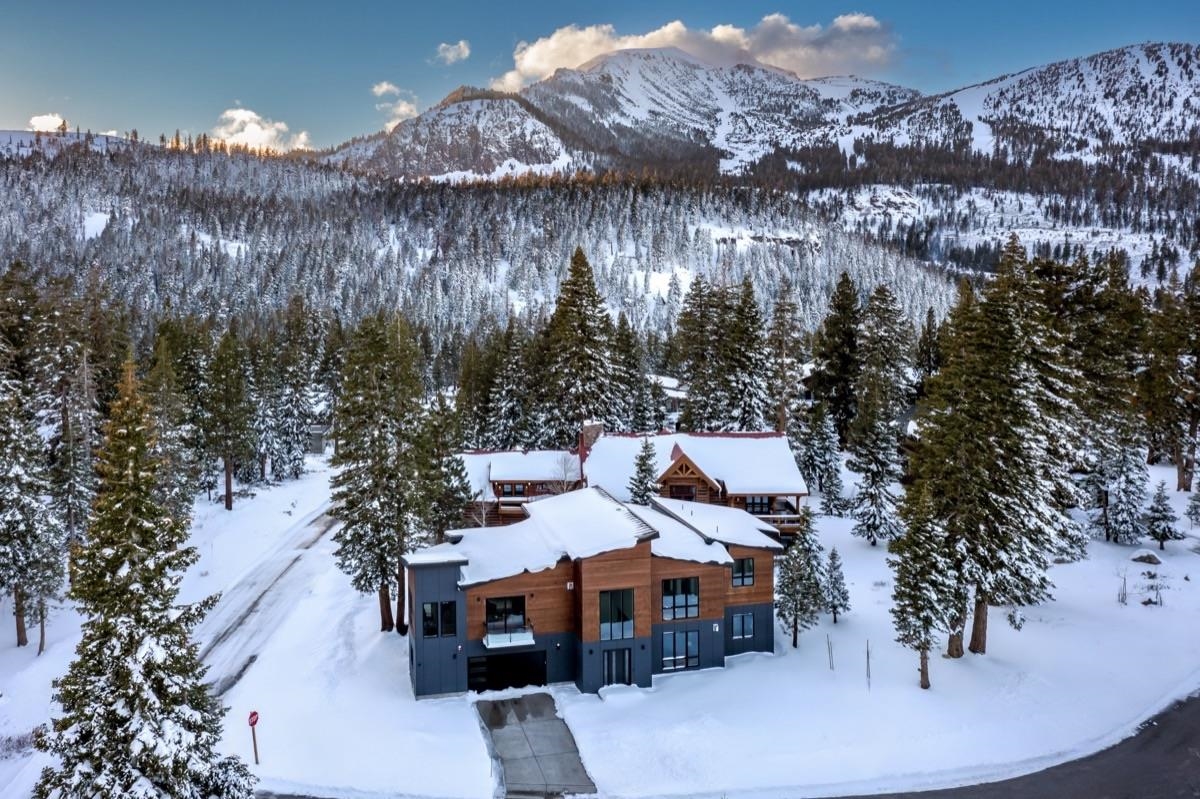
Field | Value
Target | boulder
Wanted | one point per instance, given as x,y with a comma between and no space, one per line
1145,556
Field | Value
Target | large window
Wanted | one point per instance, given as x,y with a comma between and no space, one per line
681,650
743,572
681,598
686,492
743,625
758,506
506,614
439,618
616,614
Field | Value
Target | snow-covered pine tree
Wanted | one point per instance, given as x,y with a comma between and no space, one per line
885,345
178,465
579,380
634,407
699,330
138,721
837,597
31,535
643,485
925,591
447,489
928,359
1161,518
229,411
1122,495
263,396
798,590
873,448
1193,509
377,493
835,353
297,381
785,352
744,365
505,426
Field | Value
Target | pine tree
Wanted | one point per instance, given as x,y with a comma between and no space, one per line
578,377
31,535
294,408
1122,497
884,355
378,493
1193,509
837,598
925,592
1160,518
700,323
263,398
798,591
836,355
633,410
784,345
928,360
229,410
178,465
447,489
874,457
744,366
820,455
138,719
643,485
505,425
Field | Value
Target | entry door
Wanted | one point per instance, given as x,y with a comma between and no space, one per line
618,668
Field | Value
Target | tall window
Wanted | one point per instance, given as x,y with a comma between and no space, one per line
681,650
439,618
681,598
743,625
505,614
743,572
616,614
758,506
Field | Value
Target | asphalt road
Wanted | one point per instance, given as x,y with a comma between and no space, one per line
1161,762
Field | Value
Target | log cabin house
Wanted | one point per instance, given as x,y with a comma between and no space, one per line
755,472
590,590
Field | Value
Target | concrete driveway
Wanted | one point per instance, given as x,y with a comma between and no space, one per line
536,750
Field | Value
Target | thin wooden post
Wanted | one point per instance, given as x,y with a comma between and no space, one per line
868,664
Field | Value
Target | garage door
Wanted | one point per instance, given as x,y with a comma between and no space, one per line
516,670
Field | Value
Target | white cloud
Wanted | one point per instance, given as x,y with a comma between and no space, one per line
245,127
851,43
452,53
109,133
45,122
384,87
402,107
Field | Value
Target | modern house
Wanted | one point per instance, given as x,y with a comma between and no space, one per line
590,590
502,482
754,472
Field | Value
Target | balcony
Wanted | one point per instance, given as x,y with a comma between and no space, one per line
507,633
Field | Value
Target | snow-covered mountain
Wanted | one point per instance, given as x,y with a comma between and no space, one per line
636,108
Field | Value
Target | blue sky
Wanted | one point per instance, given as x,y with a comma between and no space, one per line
311,66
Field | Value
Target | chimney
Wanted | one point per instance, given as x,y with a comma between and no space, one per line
589,433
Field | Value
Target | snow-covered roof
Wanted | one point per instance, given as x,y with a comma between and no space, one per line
535,466
669,385
747,463
720,523
676,540
577,524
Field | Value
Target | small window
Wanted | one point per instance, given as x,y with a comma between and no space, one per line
743,625
758,506
449,620
519,489
743,572
684,492
681,598
506,489
542,488
681,650
616,615
429,620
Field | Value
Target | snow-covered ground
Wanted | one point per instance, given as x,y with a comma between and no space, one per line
338,717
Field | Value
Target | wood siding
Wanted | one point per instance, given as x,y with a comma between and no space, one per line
714,585
763,590
622,568
548,604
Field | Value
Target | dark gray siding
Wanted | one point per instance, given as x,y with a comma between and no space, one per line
560,648
437,665
591,662
712,641
764,629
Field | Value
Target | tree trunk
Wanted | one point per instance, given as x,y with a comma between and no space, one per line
228,483
954,643
979,627
41,626
19,613
795,633
401,595
925,669
262,468
835,617
385,610
1162,544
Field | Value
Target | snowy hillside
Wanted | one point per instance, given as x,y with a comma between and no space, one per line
20,143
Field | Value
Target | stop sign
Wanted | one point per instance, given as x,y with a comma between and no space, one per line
253,717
